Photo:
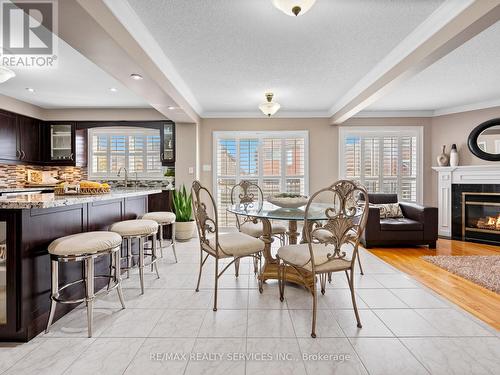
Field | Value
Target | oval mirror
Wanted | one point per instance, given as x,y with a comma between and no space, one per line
484,140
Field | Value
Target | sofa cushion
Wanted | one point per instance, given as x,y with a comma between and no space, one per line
400,224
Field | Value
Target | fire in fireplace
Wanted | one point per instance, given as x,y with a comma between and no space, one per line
481,216
489,222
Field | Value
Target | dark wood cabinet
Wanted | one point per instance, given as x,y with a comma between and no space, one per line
59,144
29,139
27,234
8,136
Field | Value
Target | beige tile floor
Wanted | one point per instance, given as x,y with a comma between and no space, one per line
407,329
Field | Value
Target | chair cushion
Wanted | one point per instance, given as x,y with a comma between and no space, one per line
400,224
161,217
255,229
85,243
235,244
139,227
299,255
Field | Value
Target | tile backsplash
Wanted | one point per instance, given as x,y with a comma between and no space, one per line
14,176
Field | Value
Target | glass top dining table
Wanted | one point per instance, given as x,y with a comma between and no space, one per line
272,212
269,212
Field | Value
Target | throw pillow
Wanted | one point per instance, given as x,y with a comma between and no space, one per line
389,210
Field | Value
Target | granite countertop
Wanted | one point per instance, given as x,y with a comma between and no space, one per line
48,200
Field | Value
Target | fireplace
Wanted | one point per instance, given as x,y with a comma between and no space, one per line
476,213
481,216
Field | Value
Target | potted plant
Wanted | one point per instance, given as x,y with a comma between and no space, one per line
184,223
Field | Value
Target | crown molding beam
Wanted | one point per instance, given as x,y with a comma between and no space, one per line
451,25
91,28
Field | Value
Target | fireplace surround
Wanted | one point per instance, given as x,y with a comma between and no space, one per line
451,183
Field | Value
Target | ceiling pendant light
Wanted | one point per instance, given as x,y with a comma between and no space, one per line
269,108
294,7
6,74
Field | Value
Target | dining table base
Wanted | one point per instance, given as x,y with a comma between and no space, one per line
270,268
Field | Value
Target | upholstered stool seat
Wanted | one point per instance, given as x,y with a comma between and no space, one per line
161,217
85,243
138,227
84,247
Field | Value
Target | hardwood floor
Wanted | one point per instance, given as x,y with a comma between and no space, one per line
481,302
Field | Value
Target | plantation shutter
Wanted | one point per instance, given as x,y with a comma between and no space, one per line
137,149
276,162
383,163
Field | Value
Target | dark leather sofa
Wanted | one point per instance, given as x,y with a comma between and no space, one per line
419,226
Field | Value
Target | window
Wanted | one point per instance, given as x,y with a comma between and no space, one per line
112,148
387,159
276,161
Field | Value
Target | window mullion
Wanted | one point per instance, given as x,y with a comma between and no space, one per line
399,168
283,163
362,160
238,177
381,163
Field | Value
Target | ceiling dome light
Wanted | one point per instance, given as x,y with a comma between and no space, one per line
30,89
294,7
136,76
6,74
269,108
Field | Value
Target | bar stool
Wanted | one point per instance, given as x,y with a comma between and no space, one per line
84,247
140,229
163,218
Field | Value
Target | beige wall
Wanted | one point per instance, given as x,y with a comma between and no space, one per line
323,143
185,154
455,128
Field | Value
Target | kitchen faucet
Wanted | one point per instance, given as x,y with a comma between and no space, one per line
126,175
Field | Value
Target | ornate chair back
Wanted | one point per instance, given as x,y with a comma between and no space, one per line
346,214
205,214
249,195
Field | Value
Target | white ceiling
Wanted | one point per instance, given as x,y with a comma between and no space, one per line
75,83
466,76
229,52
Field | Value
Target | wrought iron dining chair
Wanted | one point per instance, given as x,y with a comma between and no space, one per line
326,244
234,245
249,195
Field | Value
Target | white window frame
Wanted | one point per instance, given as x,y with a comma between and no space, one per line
121,130
381,131
216,135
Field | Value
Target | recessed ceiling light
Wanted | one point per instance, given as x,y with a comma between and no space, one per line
171,107
113,89
30,89
136,76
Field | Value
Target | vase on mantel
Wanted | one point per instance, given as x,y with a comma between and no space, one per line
443,158
454,159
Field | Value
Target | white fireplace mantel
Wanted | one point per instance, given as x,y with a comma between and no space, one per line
467,174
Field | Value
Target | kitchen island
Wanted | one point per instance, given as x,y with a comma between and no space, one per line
28,223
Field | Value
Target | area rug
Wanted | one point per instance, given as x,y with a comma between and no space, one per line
483,270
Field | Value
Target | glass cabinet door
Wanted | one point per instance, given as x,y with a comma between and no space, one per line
168,152
61,142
